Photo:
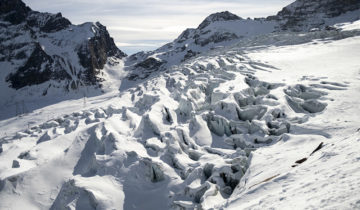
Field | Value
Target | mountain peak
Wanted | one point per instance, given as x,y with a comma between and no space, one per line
7,6
13,11
219,16
305,14
45,50
16,12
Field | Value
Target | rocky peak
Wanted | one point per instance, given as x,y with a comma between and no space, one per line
93,53
37,69
306,14
16,12
104,38
7,6
47,22
47,50
220,16
13,11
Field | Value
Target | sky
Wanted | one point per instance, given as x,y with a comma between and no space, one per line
142,25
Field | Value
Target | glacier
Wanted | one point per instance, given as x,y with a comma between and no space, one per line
265,121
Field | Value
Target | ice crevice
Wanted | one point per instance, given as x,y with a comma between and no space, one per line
185,137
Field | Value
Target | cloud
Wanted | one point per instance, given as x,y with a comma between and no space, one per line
130,21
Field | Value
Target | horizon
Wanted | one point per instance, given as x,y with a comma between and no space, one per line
164,20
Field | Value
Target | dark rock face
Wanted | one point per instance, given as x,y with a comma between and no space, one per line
15,164
22,35
220,16
55,23
16,12
94,53
47,22
145,68
185,35
7,6
13,11
216,38
306,14
150,63
38,68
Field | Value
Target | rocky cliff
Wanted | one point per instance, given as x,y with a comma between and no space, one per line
306,14
36,48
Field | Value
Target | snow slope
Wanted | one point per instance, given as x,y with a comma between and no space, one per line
221,130
328,179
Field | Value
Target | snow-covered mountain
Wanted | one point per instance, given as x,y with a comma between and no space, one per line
225,29
264,118
217,30
303,15
42,53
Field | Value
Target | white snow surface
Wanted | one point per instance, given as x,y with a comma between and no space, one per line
223,130
329,178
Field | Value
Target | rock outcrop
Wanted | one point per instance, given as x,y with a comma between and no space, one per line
41,47
306,14
94,53
39,68
220,16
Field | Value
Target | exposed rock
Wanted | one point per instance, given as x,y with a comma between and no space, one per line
307,14
38,68
15,164
47,22
216,38
321,145
13,11
150,63
28,37
93,53
145,67
220,16
185,35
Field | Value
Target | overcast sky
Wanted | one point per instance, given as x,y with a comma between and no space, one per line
147,24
